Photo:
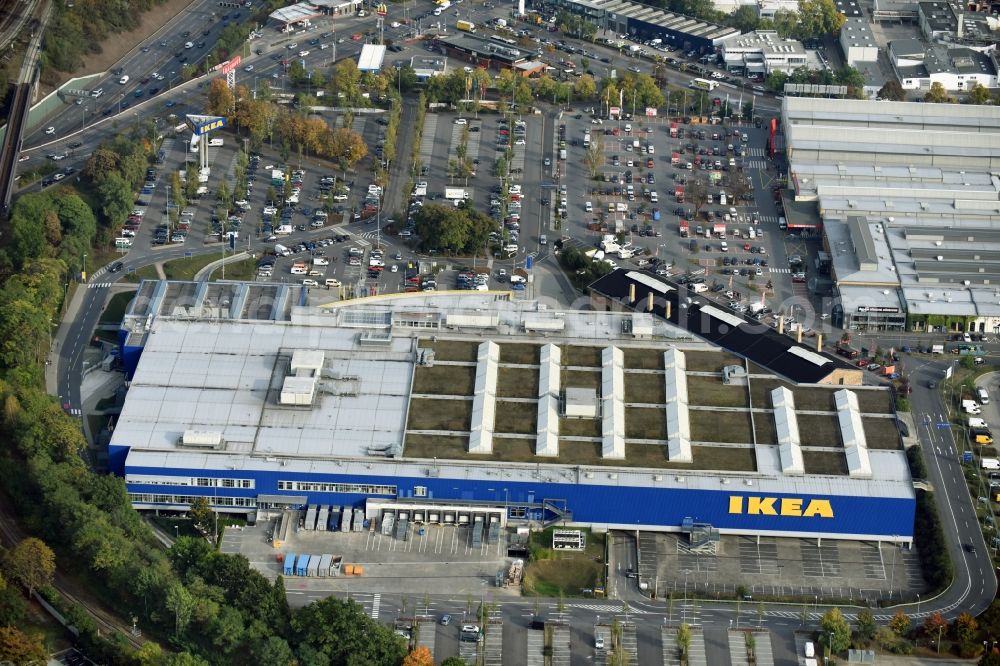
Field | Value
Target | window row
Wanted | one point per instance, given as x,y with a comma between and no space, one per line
356,488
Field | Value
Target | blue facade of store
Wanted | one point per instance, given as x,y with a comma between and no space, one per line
741,511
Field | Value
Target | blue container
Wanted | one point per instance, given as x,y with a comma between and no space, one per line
289,569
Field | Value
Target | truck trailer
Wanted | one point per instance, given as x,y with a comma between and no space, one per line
289,568
302,566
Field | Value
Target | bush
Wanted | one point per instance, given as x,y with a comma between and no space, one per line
915,459
932,548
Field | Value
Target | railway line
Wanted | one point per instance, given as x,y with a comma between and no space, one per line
11,535
13,19
12,143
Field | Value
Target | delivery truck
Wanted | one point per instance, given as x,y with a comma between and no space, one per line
466,26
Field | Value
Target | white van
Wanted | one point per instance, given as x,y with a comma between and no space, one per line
984,397
123,80
977,423
699,288
123,242
215,143
654,197
724,246
810,649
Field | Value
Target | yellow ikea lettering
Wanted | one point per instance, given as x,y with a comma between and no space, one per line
786,506
761,506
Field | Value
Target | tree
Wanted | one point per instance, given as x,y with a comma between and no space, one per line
274,651
938,95
421,656
966,627
116,198
893,91
347,146
786,22
346,81
585,87
181,604
934,623
684,640
745,18
339,632
818,18
454,661
17,647
593,157
900,624
31,564
697,193
989,659
867,627
979,94
776,80
836,631
221,101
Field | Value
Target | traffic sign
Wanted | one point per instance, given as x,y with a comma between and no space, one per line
942,425
967,456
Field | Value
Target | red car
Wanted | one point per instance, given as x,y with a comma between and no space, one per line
356,37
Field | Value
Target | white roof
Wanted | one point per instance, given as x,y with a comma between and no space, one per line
371,57
547,429
613,404
787,426
853,433
678,418
484,400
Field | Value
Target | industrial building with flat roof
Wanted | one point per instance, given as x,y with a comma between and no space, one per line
472,402
910,203
646,22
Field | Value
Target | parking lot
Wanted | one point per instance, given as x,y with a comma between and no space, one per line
782,567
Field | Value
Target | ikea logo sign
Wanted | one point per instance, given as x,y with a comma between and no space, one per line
780,506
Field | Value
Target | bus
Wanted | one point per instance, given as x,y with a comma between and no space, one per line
704,84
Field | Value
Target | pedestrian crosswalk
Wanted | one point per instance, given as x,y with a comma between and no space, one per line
607,608
99,285
74,411
376,602
755,164
780,270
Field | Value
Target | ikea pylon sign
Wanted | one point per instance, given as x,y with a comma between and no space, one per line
780,506
202,125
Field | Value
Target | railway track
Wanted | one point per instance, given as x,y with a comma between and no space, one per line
11,535
14,18
12,143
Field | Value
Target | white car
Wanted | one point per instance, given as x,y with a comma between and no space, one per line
303,54
292,46
519,142
248,68
50,130
458,121
394,269
310,283
340,196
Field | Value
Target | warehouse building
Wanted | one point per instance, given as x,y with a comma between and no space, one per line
464,404
909,203
643,22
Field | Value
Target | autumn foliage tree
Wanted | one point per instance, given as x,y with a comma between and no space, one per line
31,564
17,647
420,656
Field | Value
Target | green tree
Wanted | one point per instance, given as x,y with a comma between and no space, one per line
938,95
406,78
454,661
836,632
200,512
180,602
745,18
867,628
776,81
979,94
991,658
786,23
892,90
818,18
274,651
335,631
116,198
31,564
191,181
684,640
